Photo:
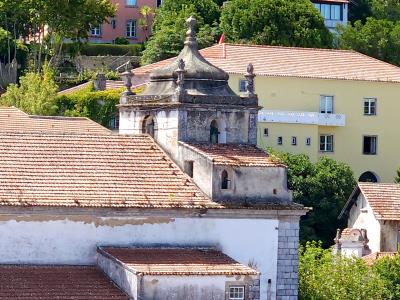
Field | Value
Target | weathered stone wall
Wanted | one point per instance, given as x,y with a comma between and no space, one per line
95,63
389,236
196,287
288,260
202,168
233,125
252,183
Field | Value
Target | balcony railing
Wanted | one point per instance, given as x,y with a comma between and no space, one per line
301,117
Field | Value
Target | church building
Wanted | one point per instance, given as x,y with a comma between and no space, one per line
181,204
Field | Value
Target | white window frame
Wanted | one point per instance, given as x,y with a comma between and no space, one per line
369,109
325,106
131,28
95,31
279,140
266,132
374,144
324,144
308,141
237,292
294,141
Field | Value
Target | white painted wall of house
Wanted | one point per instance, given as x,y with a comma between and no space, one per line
73,240
361,216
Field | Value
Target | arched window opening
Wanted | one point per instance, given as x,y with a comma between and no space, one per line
148,126
225,182
368,177
214,132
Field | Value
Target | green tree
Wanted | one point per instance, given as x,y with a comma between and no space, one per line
325,186
326,276
65,19
275,22
34,95
169,27
388,268
377,38
385,9
359,10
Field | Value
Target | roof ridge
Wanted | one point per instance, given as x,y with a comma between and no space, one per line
288,47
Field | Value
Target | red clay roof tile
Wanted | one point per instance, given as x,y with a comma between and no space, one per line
92,171
56,282
384,199
371,258
15,120
294,62
234,155
177,261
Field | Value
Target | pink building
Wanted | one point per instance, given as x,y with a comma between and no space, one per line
126,23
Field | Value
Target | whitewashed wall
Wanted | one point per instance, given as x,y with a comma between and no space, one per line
73,240
361,216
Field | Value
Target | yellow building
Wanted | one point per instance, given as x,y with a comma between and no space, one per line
341,104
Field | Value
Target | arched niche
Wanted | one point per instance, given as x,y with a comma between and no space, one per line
368,177
225,181
218,131
149,126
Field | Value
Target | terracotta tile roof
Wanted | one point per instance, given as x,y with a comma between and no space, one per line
371,258
384,199
294,62
234,154
56,282
177,261
110,85
92,171
14,120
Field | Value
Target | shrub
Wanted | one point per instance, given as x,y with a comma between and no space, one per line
34,95
103,49
388,268
324,275
121,41
100,106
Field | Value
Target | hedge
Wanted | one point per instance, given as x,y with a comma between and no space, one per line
103,49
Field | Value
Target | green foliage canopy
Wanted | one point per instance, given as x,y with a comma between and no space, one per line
378,38
169,27
388,268
326,276
275,22
325,186
100,106
34,95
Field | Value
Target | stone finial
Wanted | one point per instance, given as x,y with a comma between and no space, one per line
181,78
337,238
191,33
100,83
127,78
250,79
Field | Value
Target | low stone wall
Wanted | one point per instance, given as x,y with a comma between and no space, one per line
95,63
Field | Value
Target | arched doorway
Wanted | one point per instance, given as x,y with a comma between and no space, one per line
149,126
368,177
214,132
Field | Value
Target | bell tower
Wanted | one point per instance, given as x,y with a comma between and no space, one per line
190,100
